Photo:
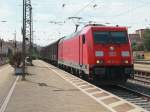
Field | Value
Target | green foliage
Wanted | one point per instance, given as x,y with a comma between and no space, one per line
134,46
137,47
16,59
10,56
35,53
147,39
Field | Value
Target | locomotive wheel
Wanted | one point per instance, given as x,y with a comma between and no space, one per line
93,78
76,72
71,70
86,77
80,74
59,66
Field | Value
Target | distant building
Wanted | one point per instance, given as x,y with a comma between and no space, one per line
138,36
140,32
135,38
7,46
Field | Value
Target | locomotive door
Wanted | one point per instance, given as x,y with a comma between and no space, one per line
81,43
80,51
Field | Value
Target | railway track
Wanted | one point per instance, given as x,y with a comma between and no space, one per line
133,96
136,90
141,78
137,93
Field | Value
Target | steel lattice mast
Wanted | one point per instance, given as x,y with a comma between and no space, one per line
27,30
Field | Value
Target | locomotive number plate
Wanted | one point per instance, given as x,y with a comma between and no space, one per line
112,53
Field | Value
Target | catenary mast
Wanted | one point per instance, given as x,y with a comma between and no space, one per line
26,31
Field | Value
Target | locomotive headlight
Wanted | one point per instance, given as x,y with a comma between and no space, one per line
126,61
99,61
125,53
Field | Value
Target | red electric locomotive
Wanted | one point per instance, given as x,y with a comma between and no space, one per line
100,53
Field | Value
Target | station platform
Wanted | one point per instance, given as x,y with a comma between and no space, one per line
142,67
49,89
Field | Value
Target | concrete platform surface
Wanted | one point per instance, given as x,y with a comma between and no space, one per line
45,91
6,80
142,67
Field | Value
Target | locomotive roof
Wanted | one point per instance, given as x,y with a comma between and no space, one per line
72,35
55,42
95,27
105,27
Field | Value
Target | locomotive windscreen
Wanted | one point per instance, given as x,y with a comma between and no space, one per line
110,37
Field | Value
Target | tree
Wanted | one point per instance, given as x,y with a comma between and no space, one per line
16,59
147,39
134,46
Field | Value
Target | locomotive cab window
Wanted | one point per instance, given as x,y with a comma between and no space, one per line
110,37
119,37
101,37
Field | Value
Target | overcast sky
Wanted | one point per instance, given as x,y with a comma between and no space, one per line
131,13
